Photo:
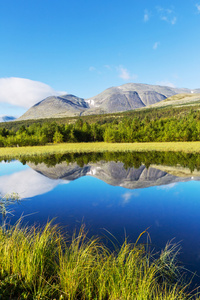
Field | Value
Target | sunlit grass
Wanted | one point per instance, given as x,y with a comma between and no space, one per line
42,264
17,152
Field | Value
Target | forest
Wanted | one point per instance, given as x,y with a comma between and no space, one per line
156,126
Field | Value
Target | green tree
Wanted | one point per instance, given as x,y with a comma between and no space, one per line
58,137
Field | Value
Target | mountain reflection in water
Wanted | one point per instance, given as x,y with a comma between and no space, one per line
98,190
114,173
131,170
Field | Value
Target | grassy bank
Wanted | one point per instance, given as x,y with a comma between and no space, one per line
41,264
16,152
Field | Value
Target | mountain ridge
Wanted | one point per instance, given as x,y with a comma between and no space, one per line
122,98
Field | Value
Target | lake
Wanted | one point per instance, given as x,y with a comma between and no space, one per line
119,194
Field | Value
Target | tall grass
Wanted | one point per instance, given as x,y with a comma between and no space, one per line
42,264
18,152
27,260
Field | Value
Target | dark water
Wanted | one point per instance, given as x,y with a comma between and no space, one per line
115,193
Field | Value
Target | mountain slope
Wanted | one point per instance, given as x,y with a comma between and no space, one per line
180,99
129,96
115,99
51,107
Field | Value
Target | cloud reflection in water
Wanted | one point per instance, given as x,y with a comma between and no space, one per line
27,183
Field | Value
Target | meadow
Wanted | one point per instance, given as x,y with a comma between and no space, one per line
18,152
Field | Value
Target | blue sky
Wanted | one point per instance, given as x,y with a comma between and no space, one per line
83,47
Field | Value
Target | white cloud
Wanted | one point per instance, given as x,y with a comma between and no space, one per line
24,92
156,44
91,69
166,83
198,8
167,15
167,186
108,67
146,15
164,18
27,183
173,21
128,195
125,74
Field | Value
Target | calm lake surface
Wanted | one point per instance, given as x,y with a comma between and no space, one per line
123,194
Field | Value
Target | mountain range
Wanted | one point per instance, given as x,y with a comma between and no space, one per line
7,118
126,97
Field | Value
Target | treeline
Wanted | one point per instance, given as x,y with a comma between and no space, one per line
172,129
37,134
125,130
151,113
129,159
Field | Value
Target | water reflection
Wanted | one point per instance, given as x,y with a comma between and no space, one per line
27,184
128,170
114,173
129,159
119,192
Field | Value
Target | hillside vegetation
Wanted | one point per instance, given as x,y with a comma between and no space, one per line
180,99
155,124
